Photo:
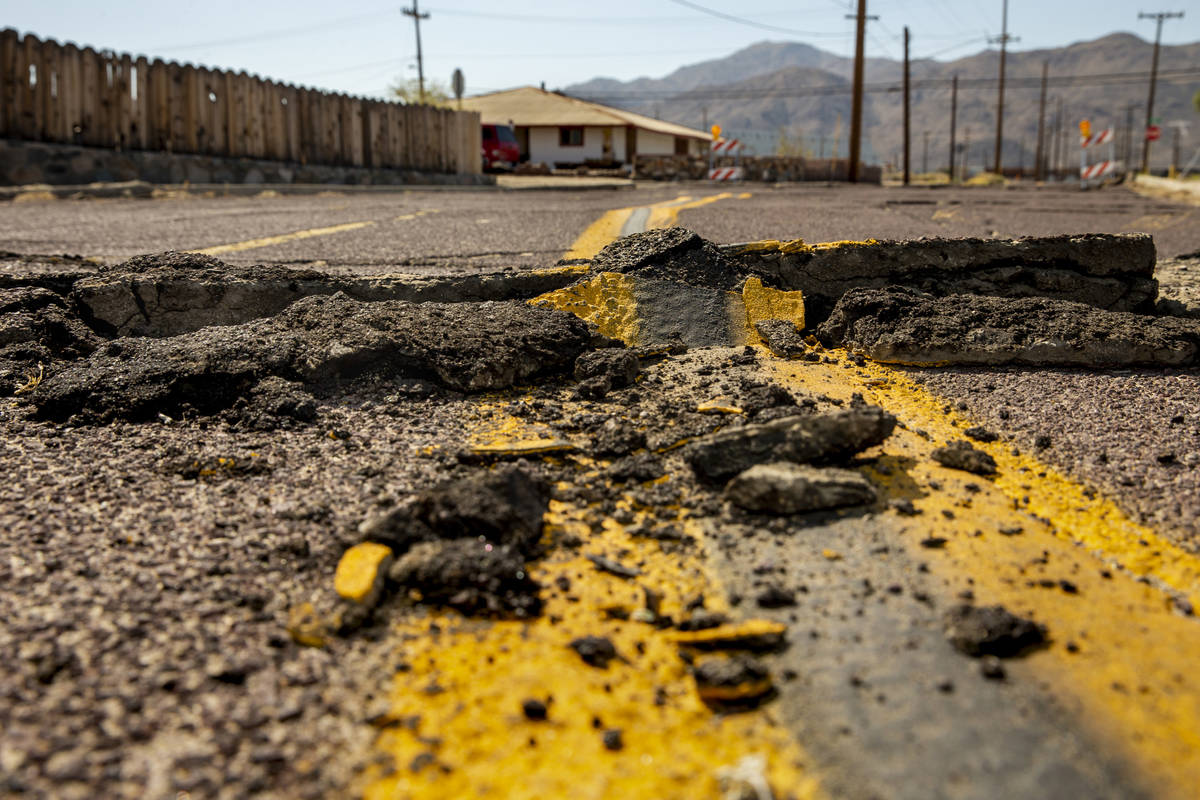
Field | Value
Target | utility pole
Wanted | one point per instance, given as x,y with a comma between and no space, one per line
925,156
856,103
1159,17
953,122
1129,137
907,131
966,167
1064,135
1038,173
1003,39
1055,139
417,16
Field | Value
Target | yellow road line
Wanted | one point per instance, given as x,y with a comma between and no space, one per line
663,214
599,233
1121,659
267,241
471,731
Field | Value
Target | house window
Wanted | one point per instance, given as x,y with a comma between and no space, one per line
570,137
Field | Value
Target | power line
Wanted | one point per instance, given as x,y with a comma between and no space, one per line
1024,82
964,43
284,33
744,21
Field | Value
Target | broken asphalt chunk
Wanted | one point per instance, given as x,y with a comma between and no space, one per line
596,651
1102,270
469,575
167,294
991,631
605,564
732,681
669,254
786,488
902,326
465,346
781,337
816,438
503,505
601,371
961,455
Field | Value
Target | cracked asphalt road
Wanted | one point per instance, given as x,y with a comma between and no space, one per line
871,674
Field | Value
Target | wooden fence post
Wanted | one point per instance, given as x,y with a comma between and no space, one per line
140,137
8,82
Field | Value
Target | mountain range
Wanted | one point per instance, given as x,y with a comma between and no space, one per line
791,90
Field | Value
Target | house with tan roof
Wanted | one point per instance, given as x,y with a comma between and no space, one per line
564,131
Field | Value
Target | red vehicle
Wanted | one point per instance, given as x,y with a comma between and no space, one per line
500,149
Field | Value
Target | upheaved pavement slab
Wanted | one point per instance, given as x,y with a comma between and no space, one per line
385,548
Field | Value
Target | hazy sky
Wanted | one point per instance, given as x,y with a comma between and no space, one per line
360,47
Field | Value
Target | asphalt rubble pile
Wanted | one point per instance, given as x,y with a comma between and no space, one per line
669,426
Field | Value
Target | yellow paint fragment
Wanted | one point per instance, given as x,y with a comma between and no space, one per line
607,300
762,302
773,246
307,627
831,555
845,244
752,634
360,571
526,447
719,405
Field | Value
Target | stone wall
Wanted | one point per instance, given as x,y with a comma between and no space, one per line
757,168
23,163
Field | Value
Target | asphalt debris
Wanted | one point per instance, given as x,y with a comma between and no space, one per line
595,651
316,341
786,488
817,438
904,326
963,456
991,631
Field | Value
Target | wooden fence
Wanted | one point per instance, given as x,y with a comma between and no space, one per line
60,93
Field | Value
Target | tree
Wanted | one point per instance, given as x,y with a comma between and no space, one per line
408,92
1196,102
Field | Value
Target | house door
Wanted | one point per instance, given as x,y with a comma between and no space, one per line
607,153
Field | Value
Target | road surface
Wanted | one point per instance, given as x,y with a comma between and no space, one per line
1089,528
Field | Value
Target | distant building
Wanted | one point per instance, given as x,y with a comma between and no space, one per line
564,131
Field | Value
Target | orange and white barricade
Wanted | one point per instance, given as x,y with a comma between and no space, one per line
1093,168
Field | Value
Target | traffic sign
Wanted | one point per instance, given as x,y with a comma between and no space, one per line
1153,133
